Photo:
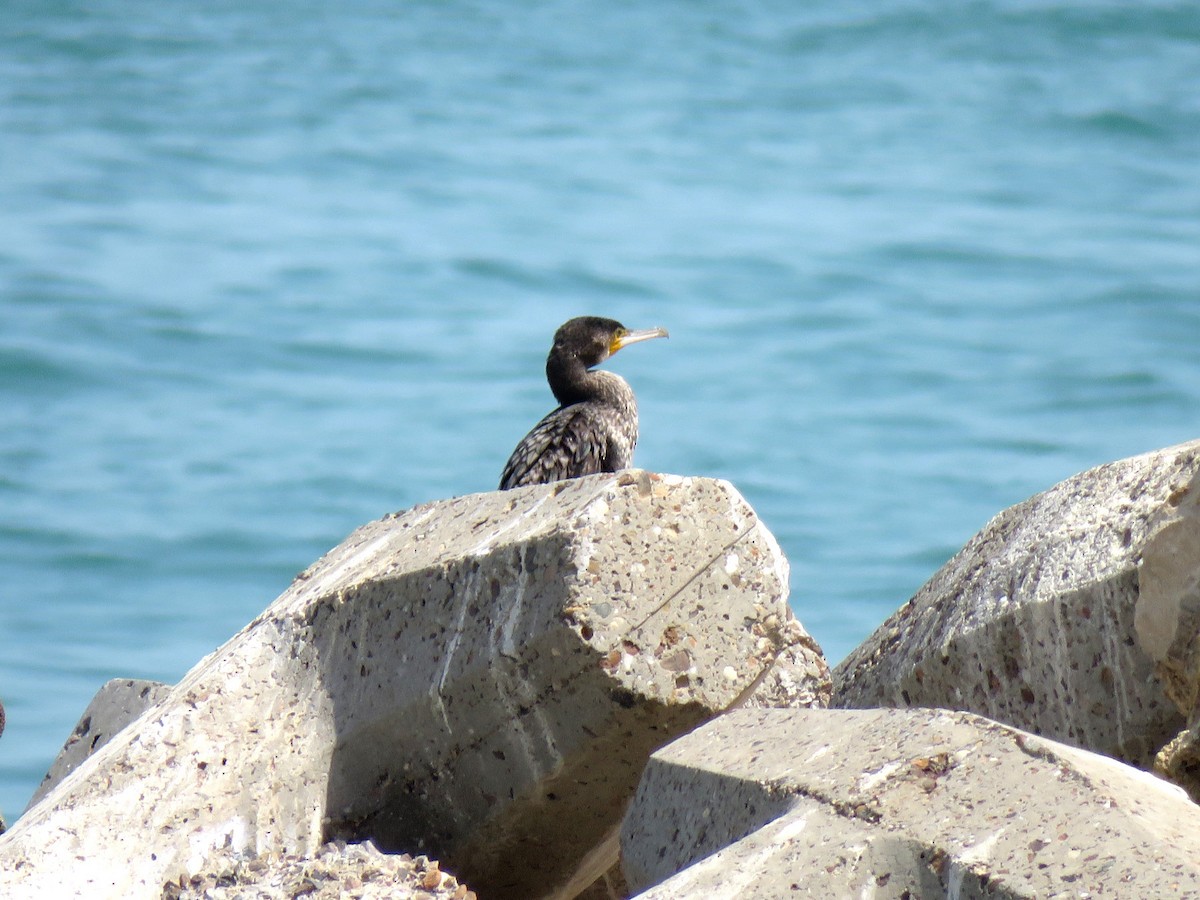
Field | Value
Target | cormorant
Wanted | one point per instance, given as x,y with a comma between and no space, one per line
595,427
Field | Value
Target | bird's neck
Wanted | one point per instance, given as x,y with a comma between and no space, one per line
573,382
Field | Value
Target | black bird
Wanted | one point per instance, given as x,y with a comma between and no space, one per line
595,427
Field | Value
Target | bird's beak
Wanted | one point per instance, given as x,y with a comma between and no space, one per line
625,338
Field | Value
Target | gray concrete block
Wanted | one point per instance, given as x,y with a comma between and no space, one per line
1033,622
900,804
479,679
117,703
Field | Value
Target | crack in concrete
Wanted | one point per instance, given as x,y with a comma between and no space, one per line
700,571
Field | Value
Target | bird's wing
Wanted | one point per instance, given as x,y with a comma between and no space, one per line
567,443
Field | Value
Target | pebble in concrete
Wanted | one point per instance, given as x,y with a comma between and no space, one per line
1033,622
900,803
460,680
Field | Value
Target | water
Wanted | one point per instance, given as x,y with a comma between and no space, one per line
271,271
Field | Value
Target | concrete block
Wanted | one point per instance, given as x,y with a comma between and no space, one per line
1033,622
119,702
913,803
480,680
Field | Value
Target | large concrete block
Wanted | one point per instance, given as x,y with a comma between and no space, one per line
479,680
918,803
1033,622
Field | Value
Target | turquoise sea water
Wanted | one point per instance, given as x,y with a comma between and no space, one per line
269,271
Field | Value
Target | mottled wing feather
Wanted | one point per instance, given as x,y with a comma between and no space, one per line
567,443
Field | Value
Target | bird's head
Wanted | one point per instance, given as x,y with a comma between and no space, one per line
592,339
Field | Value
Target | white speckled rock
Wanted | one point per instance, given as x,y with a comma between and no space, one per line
479,679
900,804
1033,622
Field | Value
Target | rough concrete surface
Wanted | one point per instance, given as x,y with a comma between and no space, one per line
119,702
1033,622
459,680
335,872
916,803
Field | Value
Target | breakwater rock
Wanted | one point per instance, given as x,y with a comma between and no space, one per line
479,680
901,804
1060,617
